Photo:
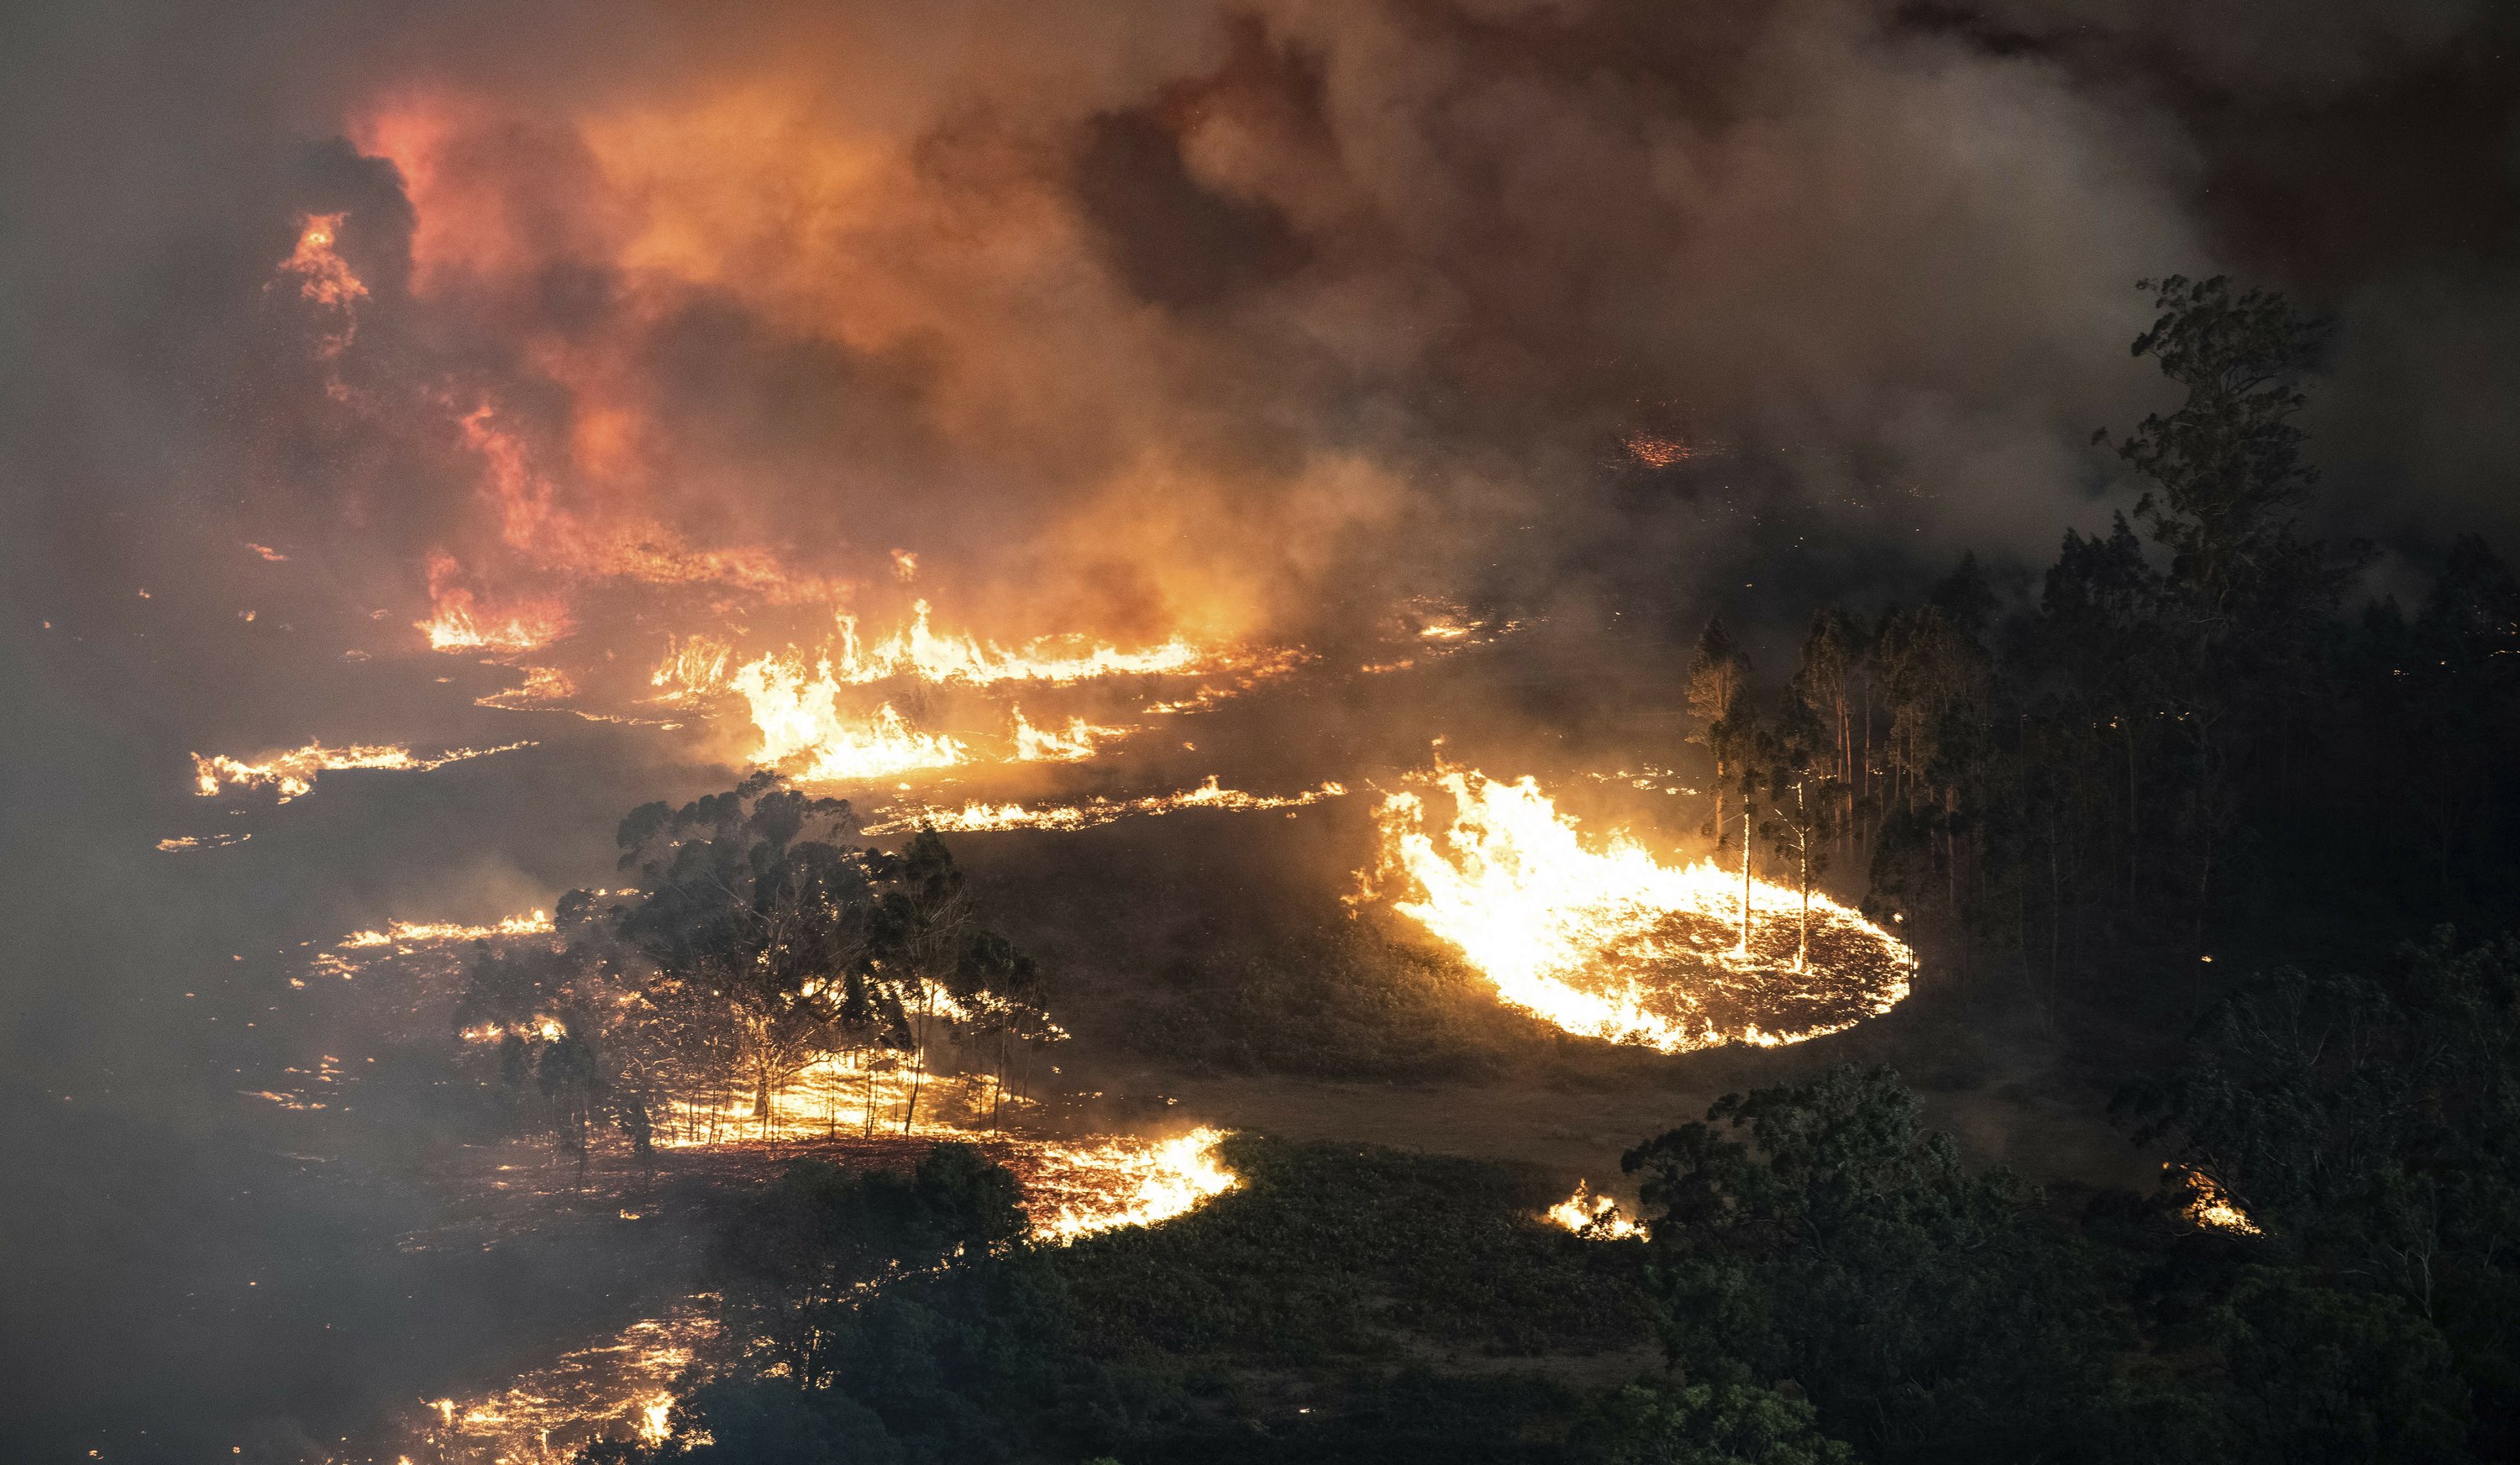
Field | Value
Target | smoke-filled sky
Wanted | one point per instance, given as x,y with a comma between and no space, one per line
1142,319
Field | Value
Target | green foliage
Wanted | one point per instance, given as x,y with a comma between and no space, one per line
2372,1129
1703,1424
747,1421
1329,1251
796,1264
1929,1313
2325,1375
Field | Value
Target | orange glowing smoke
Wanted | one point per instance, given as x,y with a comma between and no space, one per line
773,196
1607,942
324,279
293,773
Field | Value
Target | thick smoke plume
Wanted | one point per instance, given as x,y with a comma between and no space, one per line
1141,318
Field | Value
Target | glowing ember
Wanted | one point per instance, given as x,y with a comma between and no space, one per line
2210,1205
976,817
1608,942
618,1388
1655,451
293,773
1595,1215
804,732
1046,746
457,621
183,842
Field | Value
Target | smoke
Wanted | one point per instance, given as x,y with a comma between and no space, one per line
1229,320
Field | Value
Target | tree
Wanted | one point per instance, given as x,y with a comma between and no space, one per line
1931,1314
782,928
2247,593
1703,1424
801,1262
922,931
1717,676
1801,801
1833,657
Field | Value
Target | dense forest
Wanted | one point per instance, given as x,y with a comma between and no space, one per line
2204,762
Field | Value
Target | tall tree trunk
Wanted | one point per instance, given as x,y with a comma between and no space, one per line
1802,845
1745,873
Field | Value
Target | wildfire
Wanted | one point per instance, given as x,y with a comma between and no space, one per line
979,818
293,773
917,651
2210,1205
1608,942
183,842
622,1387
459,621
803,729
545,686
404,935
692,668
1595,1215
1077,1189
325,280
1050,745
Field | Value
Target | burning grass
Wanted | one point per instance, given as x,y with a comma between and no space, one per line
291,774
1602,939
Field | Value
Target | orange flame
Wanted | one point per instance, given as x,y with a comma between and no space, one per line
460,621
292,773
1584,937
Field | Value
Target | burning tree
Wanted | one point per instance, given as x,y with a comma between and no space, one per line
760,946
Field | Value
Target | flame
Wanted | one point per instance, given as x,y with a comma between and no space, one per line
804,731
1042,745
183,842
919,651
293,773
623,1384
545,686
977,816
457,621
2210,1205
1595,1215
1078,1190
1588,939
697,667
403,935
619,1386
